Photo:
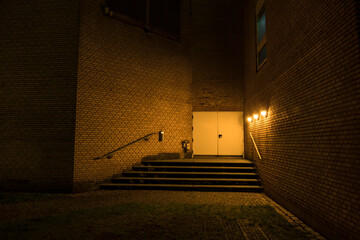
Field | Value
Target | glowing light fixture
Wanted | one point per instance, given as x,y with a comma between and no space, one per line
256,116
263,113
249,119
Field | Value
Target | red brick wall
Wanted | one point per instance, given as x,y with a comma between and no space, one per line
310,86
38,71
217,45
130,83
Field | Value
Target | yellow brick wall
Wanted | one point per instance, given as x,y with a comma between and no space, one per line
310,86
217,56
130,83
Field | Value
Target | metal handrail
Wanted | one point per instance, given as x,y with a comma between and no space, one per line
109,154
257,150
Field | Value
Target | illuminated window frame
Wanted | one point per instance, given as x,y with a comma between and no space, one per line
260,9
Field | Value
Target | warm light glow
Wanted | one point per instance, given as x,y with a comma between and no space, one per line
249,119
263,113
256,116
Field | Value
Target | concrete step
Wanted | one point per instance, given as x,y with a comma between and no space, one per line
200,162
193,168
183,187
189,174
211,181
206,174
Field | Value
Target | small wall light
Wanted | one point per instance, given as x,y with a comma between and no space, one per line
161,136
249,119
263,113
256,116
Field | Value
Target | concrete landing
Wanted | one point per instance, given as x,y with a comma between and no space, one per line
204,160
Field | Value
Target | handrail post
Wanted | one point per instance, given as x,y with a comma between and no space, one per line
257,150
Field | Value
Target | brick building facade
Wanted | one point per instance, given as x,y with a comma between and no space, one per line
130,83
38,81
217,56
309,142
76,84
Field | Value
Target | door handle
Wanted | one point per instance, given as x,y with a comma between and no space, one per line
220,135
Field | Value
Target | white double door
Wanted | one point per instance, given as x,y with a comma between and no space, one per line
218,133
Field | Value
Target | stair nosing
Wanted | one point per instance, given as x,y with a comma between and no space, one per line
188,179
182,185
200,173
195,167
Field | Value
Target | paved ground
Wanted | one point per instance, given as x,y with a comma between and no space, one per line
102,198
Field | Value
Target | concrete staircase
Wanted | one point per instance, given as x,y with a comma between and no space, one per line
190,174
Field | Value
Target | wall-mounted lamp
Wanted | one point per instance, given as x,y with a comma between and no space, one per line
161,136
256,116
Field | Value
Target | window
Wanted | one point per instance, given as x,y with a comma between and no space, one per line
261,52
158,16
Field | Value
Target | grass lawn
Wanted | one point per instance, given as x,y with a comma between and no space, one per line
157,221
